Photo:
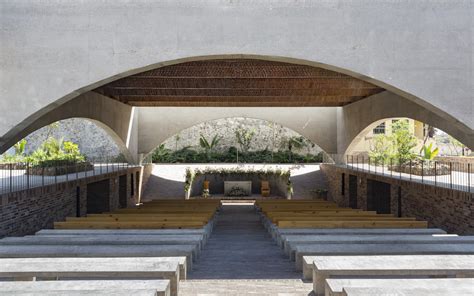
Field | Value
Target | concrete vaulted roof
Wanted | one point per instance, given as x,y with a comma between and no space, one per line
239,83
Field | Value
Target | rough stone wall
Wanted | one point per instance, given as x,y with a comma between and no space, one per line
267,135
450,210
93,141
25,212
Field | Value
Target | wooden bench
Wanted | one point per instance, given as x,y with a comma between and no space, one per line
316,250
334,287
97,268
127,225
90,251
389,266
160,287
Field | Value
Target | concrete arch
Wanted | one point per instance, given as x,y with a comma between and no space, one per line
83,90
418,51
223,118
357,119
110,115
318,124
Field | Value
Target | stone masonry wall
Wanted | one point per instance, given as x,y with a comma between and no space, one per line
267,135
25,212
450,210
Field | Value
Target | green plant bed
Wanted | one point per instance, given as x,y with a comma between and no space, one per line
13,166
418,170
60,170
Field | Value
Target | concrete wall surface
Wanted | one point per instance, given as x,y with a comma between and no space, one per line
52,51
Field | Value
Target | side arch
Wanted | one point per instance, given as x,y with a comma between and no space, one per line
115,118
356,119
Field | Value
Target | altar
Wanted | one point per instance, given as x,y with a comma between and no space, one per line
237,188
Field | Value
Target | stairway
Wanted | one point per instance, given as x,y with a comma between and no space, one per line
241,259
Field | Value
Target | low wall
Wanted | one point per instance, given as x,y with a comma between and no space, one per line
166,181
27,211
444,208
216,185
459,163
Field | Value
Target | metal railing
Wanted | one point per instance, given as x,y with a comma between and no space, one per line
445,174
20,176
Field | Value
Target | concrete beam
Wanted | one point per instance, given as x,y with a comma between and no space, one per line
156,124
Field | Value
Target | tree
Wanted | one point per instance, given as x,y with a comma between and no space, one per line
429,153
403,140
209,146
244,138
295,142
381,149
20,148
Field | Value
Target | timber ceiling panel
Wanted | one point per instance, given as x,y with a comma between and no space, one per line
238,83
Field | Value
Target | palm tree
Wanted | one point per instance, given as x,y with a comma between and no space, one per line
209,146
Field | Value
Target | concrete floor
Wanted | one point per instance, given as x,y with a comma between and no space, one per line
241,259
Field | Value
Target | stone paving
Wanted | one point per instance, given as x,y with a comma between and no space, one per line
241,259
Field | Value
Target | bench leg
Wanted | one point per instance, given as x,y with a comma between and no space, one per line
319,283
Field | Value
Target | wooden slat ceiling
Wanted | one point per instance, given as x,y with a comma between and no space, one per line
238,83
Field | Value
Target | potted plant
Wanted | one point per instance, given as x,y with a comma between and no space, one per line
289,190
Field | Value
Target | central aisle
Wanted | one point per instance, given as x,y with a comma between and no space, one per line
240,258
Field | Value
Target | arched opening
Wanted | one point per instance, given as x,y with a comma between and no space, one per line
238,140
96,141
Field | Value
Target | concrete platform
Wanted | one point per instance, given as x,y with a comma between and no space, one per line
106,240
107,268
278,234
90,251
334,286
353,291
161,287
108,292
291,241
390,266
378,249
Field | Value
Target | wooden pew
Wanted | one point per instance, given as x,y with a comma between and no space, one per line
127,225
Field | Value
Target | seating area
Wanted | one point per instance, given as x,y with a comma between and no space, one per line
113,253
345,251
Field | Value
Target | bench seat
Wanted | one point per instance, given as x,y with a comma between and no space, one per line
161,287
389,266
96,268
91,251
290,242
334,286
318,250
106,240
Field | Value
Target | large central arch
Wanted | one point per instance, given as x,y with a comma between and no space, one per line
328,105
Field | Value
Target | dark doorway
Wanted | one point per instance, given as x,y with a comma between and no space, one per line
378,196
132,185
123,191
98,197
78,201
353,191
343,184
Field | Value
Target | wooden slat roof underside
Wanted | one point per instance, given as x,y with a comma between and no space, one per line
238,83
